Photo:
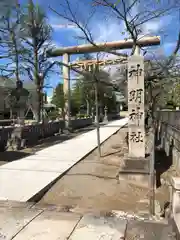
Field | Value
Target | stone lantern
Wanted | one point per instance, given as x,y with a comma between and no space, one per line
19,98
105,114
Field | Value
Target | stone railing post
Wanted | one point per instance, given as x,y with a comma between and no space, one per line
105,115
175,193
175,203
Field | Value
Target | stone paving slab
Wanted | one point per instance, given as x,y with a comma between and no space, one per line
22,180
37,165
137,230
18,185
95,228
44,159
21,223
15,204
14,220
66,154
50,226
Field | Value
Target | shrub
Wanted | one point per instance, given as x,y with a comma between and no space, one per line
80,115
53,115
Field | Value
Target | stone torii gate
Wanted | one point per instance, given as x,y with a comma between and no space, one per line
87,64
135,84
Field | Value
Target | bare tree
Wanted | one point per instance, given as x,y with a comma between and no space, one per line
37,39
133,15
11,42
157,77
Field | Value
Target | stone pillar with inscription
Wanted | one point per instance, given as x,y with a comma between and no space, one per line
136,126
135,166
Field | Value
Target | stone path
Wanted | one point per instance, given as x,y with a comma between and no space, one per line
23,179
19,222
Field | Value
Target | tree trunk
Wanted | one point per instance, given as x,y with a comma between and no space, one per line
13,38
38,84
62,113
39,104
87,107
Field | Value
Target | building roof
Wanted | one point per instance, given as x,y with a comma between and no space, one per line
7,82
10,83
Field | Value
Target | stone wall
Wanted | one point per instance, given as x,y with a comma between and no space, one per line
174,208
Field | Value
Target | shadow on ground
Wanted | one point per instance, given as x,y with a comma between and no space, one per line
10,156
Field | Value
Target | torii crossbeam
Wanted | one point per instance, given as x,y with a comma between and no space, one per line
104,47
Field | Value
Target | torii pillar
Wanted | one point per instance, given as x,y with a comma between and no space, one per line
67,91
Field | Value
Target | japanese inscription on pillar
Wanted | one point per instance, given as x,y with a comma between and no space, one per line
136,106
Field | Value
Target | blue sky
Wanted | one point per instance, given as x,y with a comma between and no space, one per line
105,27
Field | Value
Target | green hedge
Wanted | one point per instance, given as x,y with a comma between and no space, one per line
80,115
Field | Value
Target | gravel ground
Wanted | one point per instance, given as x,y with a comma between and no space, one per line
92,183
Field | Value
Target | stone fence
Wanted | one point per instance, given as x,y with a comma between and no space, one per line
169,117
5,122
81,122
30,134
168,133
175,205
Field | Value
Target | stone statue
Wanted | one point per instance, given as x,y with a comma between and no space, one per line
18,100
